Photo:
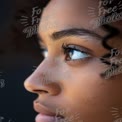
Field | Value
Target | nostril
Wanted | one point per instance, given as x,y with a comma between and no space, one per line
40,91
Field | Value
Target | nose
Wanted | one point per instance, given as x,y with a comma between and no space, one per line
43,80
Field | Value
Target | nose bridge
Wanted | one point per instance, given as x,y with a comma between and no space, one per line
42,67
43,79
47,70
46,67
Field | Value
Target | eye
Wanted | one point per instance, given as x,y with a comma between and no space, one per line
43,49
74,53
45,53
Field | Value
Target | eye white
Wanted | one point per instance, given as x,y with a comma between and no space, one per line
78,55
45,53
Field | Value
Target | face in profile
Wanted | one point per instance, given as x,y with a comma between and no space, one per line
79,79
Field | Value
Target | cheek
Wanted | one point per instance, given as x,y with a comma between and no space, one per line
84,85
85,92
85,89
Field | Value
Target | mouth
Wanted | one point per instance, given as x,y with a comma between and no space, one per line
45,115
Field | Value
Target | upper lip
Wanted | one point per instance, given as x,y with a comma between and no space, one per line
39,108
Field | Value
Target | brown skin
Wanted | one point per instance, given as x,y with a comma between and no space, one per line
75,86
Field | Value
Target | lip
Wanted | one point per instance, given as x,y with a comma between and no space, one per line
39,108
45,115
45,118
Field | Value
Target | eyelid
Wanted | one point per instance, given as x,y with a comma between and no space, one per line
78,48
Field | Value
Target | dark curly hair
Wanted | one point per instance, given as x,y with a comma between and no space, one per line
112,32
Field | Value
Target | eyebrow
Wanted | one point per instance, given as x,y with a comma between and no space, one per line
75,32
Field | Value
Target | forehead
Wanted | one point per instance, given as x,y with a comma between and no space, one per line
65,14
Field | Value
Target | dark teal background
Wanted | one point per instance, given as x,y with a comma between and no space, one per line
18,55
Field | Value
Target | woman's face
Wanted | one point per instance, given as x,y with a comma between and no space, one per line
68,81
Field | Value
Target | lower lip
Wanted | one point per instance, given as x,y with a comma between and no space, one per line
45,118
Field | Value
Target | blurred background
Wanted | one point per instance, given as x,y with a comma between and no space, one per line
19,57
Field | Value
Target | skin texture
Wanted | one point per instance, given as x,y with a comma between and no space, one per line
75,86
